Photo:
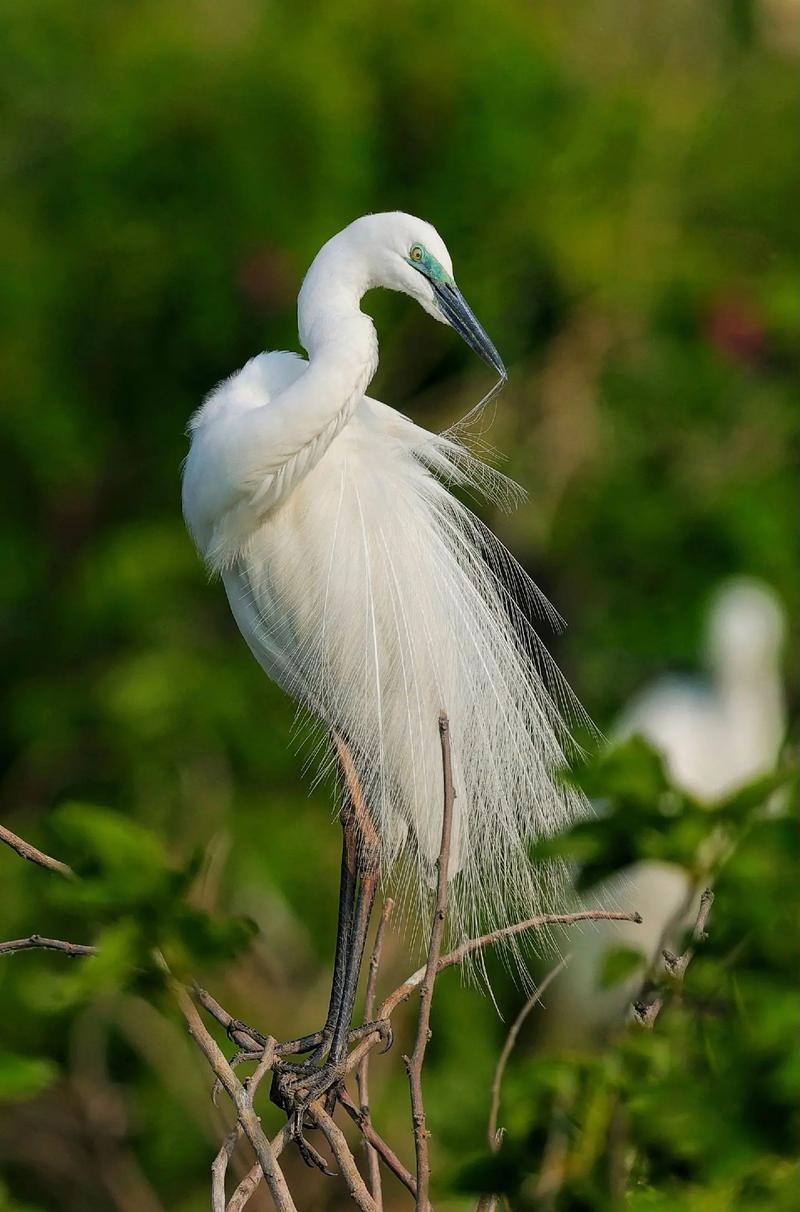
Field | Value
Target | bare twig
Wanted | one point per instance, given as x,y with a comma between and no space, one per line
508,1047
251,1125
340,1149
403,992
249,1184
344,1158
236,1030
37,942
27,851
219,1166
677,964
415,1061
362,1076
534,923
379,1144
488,1202
649,1005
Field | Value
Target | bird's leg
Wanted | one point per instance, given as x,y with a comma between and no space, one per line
320,1040
360,859
298,1095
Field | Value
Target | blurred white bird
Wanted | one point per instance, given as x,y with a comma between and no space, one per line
715,736
376,599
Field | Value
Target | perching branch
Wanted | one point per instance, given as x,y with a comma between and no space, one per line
492,1132
27,851
219,1166
362,1075
415,1061
36,942
239,1096
378,1144
651,1001
253,1046
403,992
345,1160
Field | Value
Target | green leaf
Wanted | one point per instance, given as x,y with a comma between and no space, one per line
745,800
24,1077
121,863
618,964
630,770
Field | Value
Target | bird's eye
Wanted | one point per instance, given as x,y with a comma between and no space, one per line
416,252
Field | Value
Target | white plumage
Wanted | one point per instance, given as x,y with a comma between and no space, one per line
372,596
715,736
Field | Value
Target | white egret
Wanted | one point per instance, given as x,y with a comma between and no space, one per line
375,599
715,735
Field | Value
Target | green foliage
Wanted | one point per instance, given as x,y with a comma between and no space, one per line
24,1076
651,818
126,880
702,1111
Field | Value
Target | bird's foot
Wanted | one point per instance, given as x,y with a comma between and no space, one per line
247,1038
297,1084
296,1087
252,1043
383,1028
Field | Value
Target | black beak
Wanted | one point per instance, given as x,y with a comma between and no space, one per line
459,314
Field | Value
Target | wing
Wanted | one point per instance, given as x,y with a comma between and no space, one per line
211,486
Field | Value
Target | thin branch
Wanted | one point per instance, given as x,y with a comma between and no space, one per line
37,942
677,964
27,851
533,923
235,1030
508,1047
219,1166
251,1181
362,1075
648,1006
251,1125
379,1144
403,992
415,1062
344,1158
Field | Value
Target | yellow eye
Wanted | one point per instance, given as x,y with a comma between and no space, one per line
416,252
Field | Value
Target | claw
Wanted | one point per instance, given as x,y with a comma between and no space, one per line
381,1025
310,1156
236,1025
238,1058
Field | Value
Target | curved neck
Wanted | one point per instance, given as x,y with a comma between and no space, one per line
300,422
330,299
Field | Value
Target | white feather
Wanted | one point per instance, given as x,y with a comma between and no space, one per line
376,599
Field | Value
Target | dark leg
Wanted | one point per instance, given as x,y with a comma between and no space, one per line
301,1093
320,1041
361,844
364,903
360,863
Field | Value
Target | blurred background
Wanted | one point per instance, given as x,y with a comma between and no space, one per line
618,186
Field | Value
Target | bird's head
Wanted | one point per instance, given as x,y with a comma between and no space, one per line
401,252
746,630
